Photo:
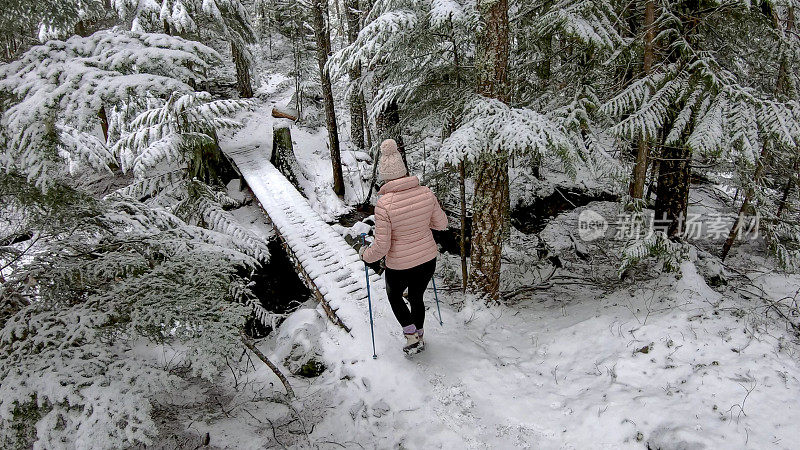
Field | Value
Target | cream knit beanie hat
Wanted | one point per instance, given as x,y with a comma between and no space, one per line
390,164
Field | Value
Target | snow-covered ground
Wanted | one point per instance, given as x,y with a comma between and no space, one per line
663,363
666,363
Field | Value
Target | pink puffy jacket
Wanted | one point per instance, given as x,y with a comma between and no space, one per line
404,217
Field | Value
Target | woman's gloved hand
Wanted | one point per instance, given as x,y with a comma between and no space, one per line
361,251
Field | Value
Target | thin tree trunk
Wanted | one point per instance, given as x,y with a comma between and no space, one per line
367,129
780,88
298,93
356,97
490,202
672,192
651,186
374,177
252,347
242,72
737,224
788,189
462,194
642,155
323,38
103,121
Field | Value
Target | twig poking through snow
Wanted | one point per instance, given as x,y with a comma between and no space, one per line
251,346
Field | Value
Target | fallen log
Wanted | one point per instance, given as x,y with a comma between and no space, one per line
285,113
306,278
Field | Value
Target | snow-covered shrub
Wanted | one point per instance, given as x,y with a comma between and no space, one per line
172,151
297,344
110,274
656,245
227,18
52,18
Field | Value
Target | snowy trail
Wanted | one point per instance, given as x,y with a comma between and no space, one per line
337,271
567,372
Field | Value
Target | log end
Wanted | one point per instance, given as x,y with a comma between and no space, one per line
285,113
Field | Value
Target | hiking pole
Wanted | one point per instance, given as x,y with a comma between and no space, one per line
369,299
436,294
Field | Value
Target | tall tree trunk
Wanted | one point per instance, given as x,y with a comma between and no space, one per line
242,71
490,203
462,172
356,98
642,155
672,192
462,196
323,38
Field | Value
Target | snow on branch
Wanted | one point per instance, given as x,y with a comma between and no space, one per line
490,125
592,22
60,90
174,131
390,29
442,12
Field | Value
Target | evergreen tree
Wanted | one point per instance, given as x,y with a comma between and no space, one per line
89,279
99,277
226,19
49,121
701,100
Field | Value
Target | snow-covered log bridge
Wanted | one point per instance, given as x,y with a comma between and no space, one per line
330,267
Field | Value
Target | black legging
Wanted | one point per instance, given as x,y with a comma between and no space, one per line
416,279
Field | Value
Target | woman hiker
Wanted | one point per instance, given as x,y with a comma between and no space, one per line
404,216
